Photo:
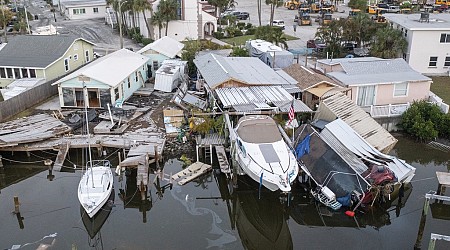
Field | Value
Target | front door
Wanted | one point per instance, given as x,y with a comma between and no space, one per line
94,100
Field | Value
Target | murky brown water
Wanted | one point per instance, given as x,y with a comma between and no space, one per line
203,215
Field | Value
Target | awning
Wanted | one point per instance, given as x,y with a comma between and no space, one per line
319,91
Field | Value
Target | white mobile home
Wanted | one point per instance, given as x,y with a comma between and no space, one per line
169,75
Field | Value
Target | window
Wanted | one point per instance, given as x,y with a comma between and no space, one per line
96,10
25,73
66,64
447,61
128,82
75,57
32,73
68,97
136,79
433,61
9,73
86,55
366,96
17,73
445,38
401,89
155,65
79,11
2,73
179,10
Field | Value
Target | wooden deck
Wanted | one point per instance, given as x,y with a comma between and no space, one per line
61,157
210,139
191,172
31,129
222,158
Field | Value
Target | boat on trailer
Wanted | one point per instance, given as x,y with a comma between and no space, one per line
262,153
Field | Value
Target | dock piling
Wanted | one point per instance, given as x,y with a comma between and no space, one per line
16,205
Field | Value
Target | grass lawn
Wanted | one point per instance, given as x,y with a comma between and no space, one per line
240,40
441,87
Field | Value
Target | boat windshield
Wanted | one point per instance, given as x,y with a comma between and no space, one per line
259,131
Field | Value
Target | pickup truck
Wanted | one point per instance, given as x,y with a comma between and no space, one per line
393,9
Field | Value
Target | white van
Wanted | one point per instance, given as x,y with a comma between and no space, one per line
393,9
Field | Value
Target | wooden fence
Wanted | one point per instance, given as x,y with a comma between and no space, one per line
27,99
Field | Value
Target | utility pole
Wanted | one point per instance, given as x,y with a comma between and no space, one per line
4,20
26,18
120,23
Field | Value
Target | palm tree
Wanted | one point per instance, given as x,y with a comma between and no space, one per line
142,6
273,4
388,43
278,38
259,6
157,19
168,10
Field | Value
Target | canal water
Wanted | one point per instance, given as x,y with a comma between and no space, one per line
204,215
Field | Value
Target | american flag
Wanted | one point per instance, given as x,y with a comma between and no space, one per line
291,112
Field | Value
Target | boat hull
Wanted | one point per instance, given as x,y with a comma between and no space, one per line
94,188
263,155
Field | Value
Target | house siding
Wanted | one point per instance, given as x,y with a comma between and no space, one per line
89,12
416,91
78,48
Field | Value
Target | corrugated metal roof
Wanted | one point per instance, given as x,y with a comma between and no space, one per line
250,99
166,46
359,120
216,69
255,94
343,135
376,72
35,51
299,106
110,69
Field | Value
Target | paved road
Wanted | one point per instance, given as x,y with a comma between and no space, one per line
304,33
94,30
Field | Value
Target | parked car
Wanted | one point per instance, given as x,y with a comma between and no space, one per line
393,9
383,5
238,14
278,23
317,45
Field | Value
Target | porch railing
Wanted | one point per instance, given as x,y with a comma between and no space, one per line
393,110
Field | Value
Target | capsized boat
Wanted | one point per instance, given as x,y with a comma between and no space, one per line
95,186
262,153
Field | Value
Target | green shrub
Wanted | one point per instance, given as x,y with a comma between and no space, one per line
425,121
248,26
250,31
240,25
219,35
146,41
238,33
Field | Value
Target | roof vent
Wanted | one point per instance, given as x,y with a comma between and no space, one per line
424,17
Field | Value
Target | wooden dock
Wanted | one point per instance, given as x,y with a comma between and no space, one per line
191,172
444,181
61,157
31,129
223,161
207,142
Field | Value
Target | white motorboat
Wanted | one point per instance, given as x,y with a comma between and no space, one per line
95,186
262,153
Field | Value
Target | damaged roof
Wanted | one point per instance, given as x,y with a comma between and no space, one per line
307,78
216,70
166,46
